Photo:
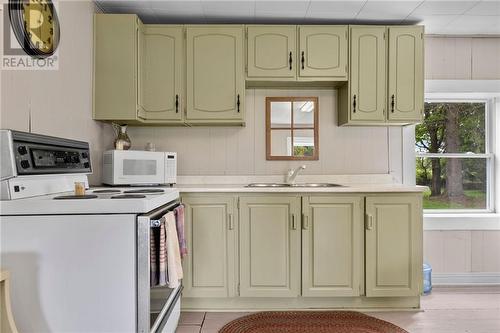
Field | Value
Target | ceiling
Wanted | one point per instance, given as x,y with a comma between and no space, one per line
440,17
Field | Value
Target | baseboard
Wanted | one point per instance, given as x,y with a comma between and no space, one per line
465,279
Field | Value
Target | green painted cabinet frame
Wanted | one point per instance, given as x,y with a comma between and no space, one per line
393,247
332,246
269,246
211,231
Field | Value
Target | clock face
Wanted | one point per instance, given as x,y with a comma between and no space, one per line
35,25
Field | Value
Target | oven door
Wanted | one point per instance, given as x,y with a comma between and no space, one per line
138,167
158,308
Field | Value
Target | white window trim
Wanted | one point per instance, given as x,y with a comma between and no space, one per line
464,89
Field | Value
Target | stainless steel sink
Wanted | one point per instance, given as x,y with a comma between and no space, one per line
293,185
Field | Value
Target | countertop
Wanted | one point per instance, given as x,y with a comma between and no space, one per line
346,188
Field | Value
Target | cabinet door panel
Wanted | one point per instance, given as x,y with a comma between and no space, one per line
393,246
160,73
406,73
209,266
323,51
332,246
368,74
269,247
271,51
215,75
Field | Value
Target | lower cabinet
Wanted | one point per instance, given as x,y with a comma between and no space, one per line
393,246
211,235
270,246
332,246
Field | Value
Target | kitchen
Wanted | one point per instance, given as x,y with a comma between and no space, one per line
218,157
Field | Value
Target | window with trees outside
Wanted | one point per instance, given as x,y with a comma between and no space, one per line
452,155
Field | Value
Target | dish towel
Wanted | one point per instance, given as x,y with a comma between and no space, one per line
153,264
163,254
174,265
179,222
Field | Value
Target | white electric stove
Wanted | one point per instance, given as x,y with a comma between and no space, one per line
78,263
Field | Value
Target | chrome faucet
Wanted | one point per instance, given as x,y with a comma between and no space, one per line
292,174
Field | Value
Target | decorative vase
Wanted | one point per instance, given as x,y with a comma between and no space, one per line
122,141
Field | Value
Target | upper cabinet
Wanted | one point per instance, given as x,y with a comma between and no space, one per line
271,51
386,83
323,52
160,79
215,74
406,73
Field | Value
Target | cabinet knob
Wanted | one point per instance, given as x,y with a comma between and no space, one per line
354,104
302,59
231,222
176,103
238,103
290,59
294,224
392,103
369,222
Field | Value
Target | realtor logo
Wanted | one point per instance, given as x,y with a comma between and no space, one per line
30,35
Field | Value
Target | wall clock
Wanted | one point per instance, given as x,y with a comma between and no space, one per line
35,25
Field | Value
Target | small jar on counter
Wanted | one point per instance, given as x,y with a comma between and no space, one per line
79,188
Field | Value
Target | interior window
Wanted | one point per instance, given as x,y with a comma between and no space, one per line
292,128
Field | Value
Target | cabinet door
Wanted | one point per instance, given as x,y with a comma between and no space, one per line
115,67
210,229
332,246
271,51
406,73
269,246
160,72
367,81
323,52
393,245
215,73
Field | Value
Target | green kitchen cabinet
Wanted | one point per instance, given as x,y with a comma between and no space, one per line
332,246
215,74
323,51
269,246
210,267
161,72
393,250
406,73
115,67
271,51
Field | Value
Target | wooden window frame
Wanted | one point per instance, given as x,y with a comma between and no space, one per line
315,128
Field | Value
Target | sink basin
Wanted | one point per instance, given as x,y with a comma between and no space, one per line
293,185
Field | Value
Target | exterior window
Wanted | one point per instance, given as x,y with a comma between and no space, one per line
292,128
452,156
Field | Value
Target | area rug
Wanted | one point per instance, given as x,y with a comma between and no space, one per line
310,322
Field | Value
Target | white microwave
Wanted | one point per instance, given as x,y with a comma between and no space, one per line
137,167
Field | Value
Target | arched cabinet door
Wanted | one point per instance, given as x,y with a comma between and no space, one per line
271,51
323,52
161,68
406,73
367,98
215,74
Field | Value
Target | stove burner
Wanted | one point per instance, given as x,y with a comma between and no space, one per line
146,191
66,197
106,191
128,196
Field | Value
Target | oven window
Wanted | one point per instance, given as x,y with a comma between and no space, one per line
139,167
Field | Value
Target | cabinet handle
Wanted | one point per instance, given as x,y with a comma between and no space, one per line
354,104
290,59
305,222
294,225
369,222
392,103
302,59
238,103
176,103
231,222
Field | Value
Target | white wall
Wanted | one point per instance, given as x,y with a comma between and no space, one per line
463,255
60,101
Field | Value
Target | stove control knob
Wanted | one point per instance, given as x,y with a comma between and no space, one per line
22,150
25,164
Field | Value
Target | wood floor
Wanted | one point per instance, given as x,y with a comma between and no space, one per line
446,310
